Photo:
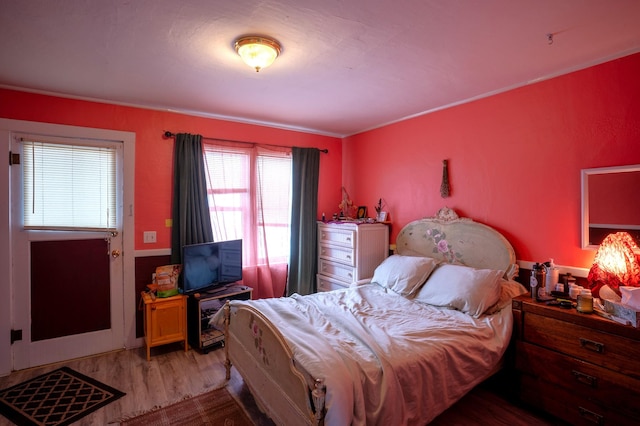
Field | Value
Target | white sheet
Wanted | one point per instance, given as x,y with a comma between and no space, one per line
386,359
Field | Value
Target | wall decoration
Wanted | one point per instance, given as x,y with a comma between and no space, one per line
444,187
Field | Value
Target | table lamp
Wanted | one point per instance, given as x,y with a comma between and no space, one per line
615,264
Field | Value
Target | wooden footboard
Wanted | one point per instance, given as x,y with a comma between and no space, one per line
282,389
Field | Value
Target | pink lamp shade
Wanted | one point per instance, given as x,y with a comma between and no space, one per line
615,264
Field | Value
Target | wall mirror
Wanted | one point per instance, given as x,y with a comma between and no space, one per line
610,203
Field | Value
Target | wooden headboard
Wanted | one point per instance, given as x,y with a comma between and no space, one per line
458,240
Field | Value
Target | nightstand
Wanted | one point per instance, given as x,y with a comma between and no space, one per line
165,321
581,368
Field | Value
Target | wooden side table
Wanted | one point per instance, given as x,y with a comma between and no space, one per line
165,321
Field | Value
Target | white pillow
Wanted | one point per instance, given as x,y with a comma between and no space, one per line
404,274
463,288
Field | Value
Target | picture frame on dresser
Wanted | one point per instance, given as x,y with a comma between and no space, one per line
362,212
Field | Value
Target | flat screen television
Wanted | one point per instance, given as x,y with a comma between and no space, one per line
210,265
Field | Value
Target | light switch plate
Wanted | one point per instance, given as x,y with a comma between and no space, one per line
149,237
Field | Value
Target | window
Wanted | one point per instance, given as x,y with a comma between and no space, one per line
250,198
69,186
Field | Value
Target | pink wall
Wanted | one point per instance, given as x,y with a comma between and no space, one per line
514,158
153,166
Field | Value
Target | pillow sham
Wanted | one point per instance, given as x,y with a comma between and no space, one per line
508,290
511,289
463,288
403,274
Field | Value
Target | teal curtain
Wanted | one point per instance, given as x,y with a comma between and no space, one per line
190,207
304,210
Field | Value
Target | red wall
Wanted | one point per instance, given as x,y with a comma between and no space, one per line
153,166
514,158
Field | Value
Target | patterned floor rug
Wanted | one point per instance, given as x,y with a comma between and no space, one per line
57,398
216,407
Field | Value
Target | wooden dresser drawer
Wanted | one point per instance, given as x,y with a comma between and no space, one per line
342,237
328,284
336,270
586,380
339,254
570,406
610,351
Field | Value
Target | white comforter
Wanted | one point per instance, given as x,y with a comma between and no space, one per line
387,360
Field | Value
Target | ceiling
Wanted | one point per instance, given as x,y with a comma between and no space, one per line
346,65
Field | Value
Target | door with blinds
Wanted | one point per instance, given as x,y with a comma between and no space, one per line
67,268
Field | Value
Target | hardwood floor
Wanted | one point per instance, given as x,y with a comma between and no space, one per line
173,374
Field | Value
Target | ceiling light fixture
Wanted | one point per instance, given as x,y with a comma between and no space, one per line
257,52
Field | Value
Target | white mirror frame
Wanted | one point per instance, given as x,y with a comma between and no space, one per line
585,173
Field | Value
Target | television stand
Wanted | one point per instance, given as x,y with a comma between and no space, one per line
217,290
202,306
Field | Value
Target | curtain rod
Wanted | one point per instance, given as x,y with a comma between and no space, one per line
168,134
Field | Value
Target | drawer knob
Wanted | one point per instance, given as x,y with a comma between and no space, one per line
591,345
349,256
349,239
591,416
585,379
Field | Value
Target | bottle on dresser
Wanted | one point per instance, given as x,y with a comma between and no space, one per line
552,276
533,282
541,280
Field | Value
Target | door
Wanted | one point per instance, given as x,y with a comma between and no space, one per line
67,277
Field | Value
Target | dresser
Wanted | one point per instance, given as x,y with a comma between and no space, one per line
581,368
349,252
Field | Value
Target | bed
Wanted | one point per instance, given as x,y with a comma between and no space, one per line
433,322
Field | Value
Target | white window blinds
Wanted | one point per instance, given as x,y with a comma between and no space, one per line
69,186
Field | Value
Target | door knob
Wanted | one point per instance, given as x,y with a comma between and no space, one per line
115,253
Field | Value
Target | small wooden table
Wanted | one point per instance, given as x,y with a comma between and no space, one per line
165,321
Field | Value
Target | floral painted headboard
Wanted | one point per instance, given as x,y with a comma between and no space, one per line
458,240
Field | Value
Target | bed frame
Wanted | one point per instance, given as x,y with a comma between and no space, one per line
287,393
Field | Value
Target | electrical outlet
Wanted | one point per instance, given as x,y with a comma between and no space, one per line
149,237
